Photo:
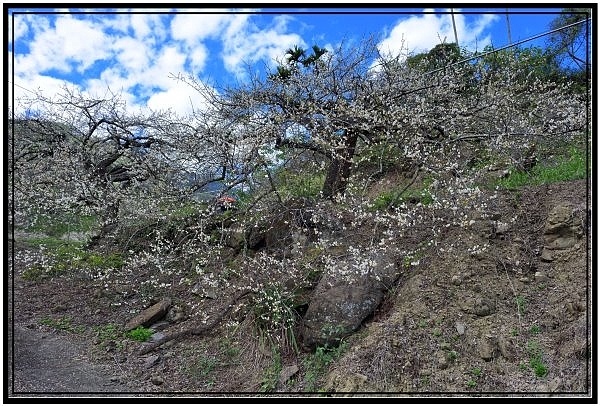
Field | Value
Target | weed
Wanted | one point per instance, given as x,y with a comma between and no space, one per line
207,365
437,332
535,359
476,374
316,364
140,334
539,368
229,349
452,355
535,330
299,185
63,323
108,332
59,225
274,309
60,256
202,367
514,332
270,376
520,305
413,258
33,273
103,261
53,243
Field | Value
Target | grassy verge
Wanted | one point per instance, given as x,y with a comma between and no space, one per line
571,166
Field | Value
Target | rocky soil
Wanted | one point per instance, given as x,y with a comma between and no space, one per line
512,320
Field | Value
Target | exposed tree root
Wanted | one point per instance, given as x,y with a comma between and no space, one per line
196,331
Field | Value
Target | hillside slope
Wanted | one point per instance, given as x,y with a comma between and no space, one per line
513,318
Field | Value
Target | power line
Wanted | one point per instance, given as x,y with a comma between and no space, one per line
509,45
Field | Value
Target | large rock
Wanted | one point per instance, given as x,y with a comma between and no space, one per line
150,315
563,229
346,295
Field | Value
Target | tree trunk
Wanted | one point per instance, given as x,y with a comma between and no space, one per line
340,167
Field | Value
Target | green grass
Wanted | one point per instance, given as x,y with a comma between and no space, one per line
140,334
53,243
316,364
571,166
201,367
275,314
536,359
62,323
396,196
293,185
57,226
108,332
65,255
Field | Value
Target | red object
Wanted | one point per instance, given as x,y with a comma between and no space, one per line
226,200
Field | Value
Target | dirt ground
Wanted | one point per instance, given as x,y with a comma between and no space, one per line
456,324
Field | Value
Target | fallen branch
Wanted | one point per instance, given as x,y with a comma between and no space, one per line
197,331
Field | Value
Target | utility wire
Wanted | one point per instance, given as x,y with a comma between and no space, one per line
508,46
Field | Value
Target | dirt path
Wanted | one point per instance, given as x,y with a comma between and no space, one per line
46,363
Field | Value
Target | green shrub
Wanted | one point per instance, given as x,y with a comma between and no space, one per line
140,334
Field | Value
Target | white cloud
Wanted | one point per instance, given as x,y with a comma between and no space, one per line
131,53
243,42
179,97
149,27
134,55
169,61
420,33
198,57
20,28
193,28
25,89
70,44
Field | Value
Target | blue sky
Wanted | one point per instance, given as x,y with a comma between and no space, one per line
133,52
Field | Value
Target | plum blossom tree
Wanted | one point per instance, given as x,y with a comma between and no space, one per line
338,102
81,154
343,114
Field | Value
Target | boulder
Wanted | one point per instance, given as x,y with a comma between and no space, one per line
346,295
562,228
